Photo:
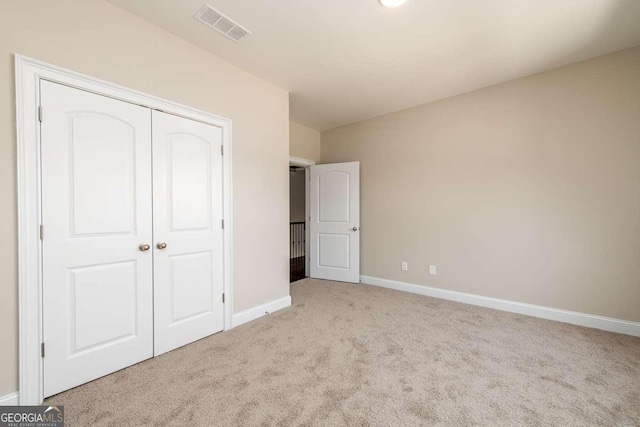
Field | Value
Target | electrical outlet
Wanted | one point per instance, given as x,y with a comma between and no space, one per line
432,270
405,266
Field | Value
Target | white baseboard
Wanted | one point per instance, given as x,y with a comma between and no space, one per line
11,399
575,318
261,310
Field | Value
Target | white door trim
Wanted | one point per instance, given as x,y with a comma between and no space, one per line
28,73
305,163
299,161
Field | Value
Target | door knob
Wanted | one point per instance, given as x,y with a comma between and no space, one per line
144,247
355,228
161,245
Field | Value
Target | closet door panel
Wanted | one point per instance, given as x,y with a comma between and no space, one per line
96,212
187,186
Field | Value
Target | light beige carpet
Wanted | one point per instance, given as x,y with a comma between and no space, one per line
348,354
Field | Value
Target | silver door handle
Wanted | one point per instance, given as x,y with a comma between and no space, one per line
161,245
144,247
355,228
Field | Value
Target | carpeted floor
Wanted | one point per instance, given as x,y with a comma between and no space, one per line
348,354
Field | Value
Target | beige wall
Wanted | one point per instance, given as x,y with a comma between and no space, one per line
304,142
527,191
97,38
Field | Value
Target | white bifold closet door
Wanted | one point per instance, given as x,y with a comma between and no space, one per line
96,212
132,248
187,218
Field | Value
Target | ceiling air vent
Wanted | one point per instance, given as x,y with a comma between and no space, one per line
222,24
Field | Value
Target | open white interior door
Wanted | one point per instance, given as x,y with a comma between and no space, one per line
335,221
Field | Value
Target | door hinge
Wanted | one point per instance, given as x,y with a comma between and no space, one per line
42,349
41,232
222,150
40,113
223,297
222,224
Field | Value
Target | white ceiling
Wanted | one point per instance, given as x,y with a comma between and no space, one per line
349,60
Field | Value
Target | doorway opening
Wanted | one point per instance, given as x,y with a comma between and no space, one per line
297,223
299,217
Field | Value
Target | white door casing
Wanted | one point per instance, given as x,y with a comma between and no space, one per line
335,221
187,218
96,211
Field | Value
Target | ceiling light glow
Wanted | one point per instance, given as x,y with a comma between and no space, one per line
392,3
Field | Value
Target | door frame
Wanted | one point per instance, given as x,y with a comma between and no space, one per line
305,163
28,74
